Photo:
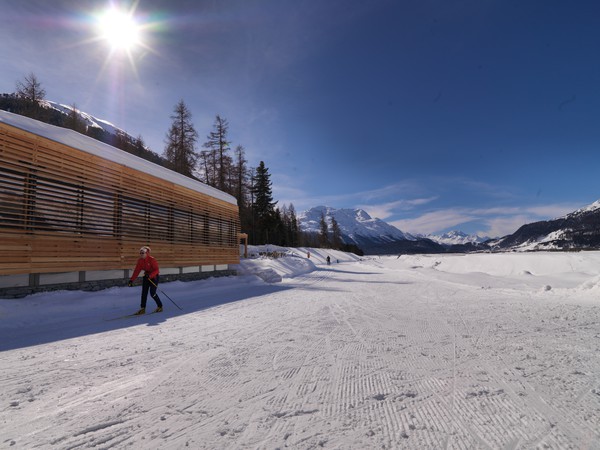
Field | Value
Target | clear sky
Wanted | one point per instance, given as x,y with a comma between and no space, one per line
433,115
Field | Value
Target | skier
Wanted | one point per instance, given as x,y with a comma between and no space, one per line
149,265
328,260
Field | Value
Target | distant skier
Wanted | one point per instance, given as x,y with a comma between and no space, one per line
149,265
328,260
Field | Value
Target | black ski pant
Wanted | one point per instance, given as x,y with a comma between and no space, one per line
150,284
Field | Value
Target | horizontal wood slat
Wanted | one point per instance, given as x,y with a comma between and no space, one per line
62,209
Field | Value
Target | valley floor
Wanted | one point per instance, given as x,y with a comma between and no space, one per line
428,352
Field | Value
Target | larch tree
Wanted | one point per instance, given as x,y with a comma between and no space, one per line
30,90
204,162
217,155
181,139
240,176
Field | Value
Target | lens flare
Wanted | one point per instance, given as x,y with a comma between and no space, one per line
119,29
125,32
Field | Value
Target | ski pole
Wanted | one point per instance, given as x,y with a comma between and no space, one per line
163,292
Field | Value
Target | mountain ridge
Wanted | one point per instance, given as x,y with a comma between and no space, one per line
375,236
353,223
578,230
455,237
87,124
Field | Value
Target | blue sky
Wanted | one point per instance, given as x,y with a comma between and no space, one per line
433,115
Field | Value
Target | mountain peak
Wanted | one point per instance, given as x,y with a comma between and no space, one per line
586,209
456,237
576,230
355,224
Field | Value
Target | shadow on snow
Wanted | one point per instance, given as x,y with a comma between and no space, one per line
102,311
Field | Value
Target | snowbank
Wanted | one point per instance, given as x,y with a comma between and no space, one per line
272,263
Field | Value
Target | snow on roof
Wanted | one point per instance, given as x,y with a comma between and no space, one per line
86,144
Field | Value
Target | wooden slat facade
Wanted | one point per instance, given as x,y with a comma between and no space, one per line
64,209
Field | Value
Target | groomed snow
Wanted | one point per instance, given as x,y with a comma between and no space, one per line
417,352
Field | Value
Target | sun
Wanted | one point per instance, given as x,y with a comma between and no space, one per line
119,29
125,33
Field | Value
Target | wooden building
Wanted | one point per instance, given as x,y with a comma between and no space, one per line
75,211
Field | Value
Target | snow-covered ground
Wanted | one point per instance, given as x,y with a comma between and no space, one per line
420,352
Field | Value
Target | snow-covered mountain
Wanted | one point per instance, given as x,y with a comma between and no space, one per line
577,230
456,238
374,236
574,231
89,120
371,235
593,208
99,129
355,224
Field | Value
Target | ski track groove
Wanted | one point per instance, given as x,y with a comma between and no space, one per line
369,365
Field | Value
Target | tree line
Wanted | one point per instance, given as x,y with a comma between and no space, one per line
215,162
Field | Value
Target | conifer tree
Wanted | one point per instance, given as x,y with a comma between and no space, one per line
240,176
323,232
285,221
241,188
217,154
181,141
277,230
263,206
121,140
294,230
140,145
336,234
205,167
74,120
30,90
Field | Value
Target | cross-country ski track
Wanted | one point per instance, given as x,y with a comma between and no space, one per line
420,352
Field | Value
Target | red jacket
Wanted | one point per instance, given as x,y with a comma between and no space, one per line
148,264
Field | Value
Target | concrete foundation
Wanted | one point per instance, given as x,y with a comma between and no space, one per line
17,286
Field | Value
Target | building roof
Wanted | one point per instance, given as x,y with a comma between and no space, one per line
87,144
